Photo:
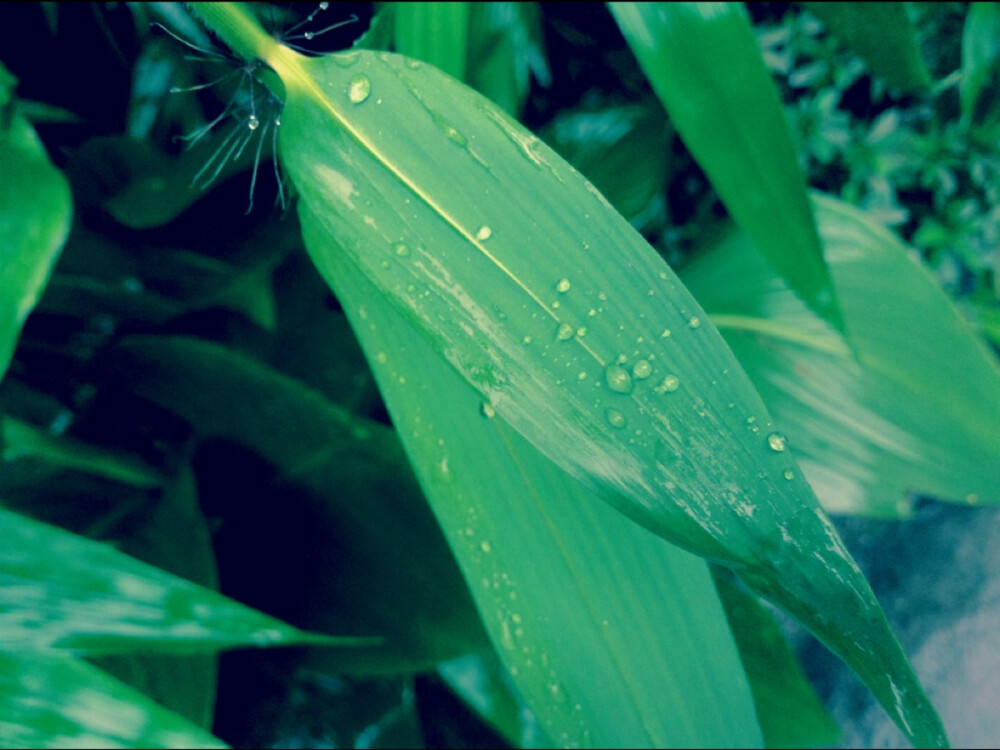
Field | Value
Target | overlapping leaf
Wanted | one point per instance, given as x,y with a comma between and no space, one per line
518,273
909,413
704,64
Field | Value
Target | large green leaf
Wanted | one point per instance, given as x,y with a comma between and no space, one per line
56,700
703,62
35,212
614,638
61,591
917,406
883,35
356,498
570,326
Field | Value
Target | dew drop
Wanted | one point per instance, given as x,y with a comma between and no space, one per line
381,358
565,332
618,379
694,322
402,249
253,123
414,64
665,334
591,313
669,384
563,286
581,375
526,340
581,331
359,89
309,35
776,442
615,418
484,233
788,474
324,6
487,411
642,369
485,546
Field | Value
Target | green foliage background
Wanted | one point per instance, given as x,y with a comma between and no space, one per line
188,389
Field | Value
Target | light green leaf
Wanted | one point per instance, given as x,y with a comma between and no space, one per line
613,638
435,32
56,700
61,591
35,213
360,499
570,326
917,409
703,62
883,35
981,65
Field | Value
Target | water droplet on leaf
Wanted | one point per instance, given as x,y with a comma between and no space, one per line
563,286
487,411
615,418
483,233
669,384
618,379
565,332
402,249
776,442
642,369
694,322
359,89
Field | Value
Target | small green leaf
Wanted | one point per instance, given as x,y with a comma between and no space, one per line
981,66
704,64
916,411
435,32
883,35
35,213
56,700
61,591
519,274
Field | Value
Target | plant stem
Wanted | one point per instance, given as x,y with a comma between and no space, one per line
237,27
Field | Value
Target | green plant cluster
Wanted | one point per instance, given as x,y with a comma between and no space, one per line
334,338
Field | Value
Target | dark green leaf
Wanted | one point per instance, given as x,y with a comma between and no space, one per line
981,66
883,35
916,410
703,62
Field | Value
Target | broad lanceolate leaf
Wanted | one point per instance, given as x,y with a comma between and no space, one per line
35,211
703,62
981,66
571,327
883,35
435,32
62,591
57,700
614,638
916,409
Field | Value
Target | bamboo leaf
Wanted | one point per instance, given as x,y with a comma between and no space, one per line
496,251
916,411
883,35
56,700
704,64
435,32
613,638
35,213
981,65
61,591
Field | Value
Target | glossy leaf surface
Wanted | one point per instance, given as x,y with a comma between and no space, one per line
704,64
56,700
88,597
626,647
883,35
572,329
912,413
35,213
